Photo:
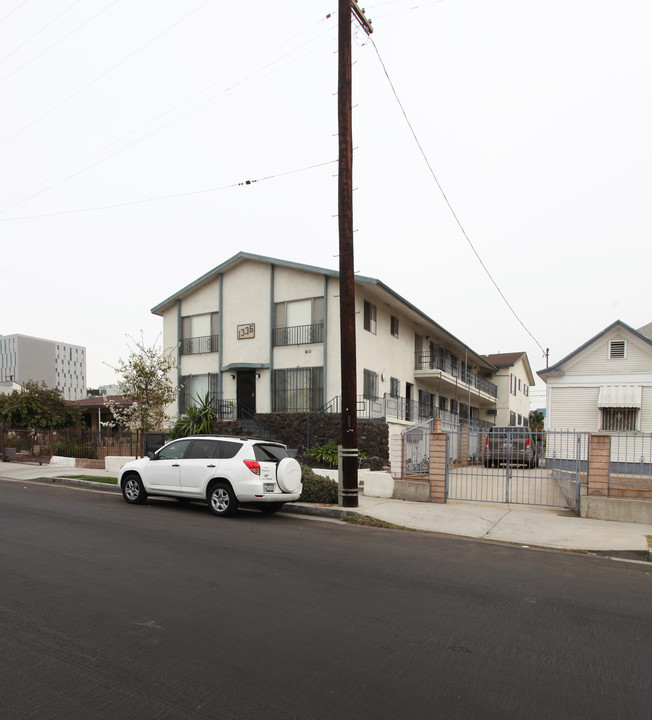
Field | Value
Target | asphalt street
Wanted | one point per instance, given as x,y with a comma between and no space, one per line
164,611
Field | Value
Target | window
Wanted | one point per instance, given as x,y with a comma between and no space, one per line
616,349
201,449
619,419
298,322
394,387
454,407
199,333
298,389
526,390
173,451
370,379
394,326
369,317
443,403
512,418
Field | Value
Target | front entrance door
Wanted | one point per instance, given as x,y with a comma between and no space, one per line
246,393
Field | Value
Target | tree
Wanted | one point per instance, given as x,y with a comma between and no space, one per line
536,420
146,384
38,407
196,419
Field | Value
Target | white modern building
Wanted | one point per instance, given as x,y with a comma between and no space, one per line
57,364
262,335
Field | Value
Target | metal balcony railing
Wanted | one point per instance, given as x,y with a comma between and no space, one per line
298,335
198,345
429,361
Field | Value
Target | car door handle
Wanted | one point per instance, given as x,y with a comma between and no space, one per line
210,465
175,465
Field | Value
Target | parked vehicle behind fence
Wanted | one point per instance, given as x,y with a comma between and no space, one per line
510,444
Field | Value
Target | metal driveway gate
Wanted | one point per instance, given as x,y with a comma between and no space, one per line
560,467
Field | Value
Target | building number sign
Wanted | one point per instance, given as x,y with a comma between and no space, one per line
246,331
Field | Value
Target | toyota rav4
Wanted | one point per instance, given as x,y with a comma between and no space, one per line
224,471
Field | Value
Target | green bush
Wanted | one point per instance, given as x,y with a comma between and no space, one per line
316,488
327,454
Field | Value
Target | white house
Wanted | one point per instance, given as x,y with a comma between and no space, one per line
514,380
262,335
604,385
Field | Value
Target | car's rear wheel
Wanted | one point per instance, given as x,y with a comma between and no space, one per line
133,490
222,500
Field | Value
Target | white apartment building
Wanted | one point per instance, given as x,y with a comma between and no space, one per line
514,380
262,335
57,364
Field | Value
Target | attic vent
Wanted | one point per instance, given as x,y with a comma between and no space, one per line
617,349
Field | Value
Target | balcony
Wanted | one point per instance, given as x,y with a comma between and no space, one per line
440,366
199,345
298,335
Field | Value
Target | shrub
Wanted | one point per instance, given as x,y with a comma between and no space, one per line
316,488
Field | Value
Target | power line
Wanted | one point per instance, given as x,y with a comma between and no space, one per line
446,200
188,193
238,84
54,44
106,72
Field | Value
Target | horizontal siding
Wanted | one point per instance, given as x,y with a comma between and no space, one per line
646,410
596,362
574,409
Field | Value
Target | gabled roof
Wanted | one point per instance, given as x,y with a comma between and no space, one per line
509,360
244,256
557,368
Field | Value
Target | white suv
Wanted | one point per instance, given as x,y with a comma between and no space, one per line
224,471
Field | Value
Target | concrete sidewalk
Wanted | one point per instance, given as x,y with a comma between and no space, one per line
516,524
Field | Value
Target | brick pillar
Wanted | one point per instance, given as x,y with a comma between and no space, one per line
464,439
599,453
438,461
436,425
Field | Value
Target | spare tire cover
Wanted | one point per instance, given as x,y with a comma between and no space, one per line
288,475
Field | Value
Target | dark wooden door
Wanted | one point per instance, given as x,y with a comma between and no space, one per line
246,393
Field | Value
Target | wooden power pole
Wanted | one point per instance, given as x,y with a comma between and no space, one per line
349,452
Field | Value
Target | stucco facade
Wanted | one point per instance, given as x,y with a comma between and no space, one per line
514,379
274,346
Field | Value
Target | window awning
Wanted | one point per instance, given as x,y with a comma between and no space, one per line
620,396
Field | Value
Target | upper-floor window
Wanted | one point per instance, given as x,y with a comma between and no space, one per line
199,333
616,349
297,322
394,326
369,317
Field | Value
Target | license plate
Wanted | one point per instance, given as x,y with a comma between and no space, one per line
268,487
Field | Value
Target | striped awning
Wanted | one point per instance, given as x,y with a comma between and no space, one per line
620,396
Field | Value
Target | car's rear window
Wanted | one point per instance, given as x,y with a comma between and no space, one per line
229,449
269,453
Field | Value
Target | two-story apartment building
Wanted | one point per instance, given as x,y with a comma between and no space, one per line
514,379
263,335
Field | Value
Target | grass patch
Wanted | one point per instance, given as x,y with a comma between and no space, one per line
371,522
93,478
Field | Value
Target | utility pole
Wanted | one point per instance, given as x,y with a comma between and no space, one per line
349,451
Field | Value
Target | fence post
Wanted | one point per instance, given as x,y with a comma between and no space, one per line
438,463
599,455
2,442
51,444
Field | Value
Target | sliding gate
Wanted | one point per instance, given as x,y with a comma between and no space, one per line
553,477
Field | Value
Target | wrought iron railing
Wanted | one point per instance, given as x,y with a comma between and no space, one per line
298,335
198,345
430,361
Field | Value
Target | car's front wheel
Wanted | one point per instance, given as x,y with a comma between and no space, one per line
222,500
133,490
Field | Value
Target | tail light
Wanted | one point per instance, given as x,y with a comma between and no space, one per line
253,465
527,443
486,442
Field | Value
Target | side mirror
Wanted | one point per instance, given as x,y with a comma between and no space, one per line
151,455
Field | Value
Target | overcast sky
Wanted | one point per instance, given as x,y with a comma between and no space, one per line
128,126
